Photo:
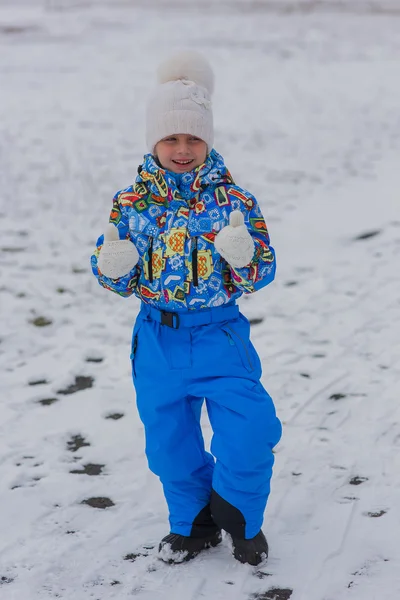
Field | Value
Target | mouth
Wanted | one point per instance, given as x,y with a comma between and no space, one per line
183,163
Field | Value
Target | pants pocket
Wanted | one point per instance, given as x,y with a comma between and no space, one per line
134,347
242,345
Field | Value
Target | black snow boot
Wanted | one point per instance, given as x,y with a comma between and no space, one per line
251,551
176,548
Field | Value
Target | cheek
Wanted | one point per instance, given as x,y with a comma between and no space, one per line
162,153
202,153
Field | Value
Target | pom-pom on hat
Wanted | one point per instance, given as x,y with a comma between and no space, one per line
181,102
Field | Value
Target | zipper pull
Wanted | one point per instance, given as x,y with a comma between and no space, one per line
150,259
230,340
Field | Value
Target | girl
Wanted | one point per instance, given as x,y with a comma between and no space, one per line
187,241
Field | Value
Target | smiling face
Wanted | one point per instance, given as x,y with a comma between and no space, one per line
181,152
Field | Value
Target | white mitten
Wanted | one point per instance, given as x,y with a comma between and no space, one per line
117,257
234,242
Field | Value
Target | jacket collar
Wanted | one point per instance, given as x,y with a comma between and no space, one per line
183,186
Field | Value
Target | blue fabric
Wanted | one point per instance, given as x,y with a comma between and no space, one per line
169,216
174,372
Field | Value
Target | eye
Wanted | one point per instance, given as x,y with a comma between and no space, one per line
194,139
170,139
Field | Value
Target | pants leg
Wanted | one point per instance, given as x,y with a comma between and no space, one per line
171,418
242,444
244,423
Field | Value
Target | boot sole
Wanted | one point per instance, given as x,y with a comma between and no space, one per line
257,560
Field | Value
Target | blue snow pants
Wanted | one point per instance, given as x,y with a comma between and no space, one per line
180,360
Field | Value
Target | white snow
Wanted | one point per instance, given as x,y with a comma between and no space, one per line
307,116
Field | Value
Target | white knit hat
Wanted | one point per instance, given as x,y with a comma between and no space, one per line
181,102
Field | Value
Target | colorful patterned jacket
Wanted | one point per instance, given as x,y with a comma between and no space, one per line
173,220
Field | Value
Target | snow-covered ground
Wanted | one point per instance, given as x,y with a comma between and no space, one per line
307,110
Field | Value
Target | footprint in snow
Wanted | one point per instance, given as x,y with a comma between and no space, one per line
99,502
89,469
348,499
274,594
41,321
375,515
262,574
367,235
134,555
337,396
256,321
81,383
357,480
47,401
12,249
76,442
115,416
38,382
341,396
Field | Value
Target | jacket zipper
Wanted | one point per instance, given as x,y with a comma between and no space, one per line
242,342
194,263
150,260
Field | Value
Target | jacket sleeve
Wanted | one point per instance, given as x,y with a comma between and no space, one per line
124,286
261,269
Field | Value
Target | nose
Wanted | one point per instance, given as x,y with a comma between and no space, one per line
183,147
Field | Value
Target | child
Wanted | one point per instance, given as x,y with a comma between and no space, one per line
187,241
